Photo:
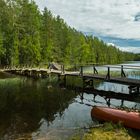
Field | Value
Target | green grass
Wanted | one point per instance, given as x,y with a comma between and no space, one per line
109,131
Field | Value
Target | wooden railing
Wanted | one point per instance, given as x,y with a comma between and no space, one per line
122,69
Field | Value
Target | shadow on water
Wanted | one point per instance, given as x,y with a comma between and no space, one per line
4,75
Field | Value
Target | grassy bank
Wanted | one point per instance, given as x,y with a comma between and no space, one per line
108,131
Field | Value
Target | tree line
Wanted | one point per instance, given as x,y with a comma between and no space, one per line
31,37
137,57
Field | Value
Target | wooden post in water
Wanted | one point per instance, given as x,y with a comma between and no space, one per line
82,97
84,83
138,90
122,103
65,81
94,96
108,102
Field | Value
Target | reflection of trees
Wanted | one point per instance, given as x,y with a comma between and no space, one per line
23,105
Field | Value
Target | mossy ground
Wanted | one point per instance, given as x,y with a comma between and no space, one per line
108,132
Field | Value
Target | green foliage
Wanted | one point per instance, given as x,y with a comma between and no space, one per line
28,36
137,57
2,50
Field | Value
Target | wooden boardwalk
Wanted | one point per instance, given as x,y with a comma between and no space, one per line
134,84
29,72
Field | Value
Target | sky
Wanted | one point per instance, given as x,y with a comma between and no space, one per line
117,22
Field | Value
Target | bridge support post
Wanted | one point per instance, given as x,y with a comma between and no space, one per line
44,74
65,80
122,103
62,69
94,96
81,71
82,97
138,90
84,83
108,73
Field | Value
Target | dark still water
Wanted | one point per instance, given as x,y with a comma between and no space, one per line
40,109
34,109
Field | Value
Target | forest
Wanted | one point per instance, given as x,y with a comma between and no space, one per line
137,57
32,37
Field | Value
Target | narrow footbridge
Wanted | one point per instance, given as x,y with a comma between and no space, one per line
121,74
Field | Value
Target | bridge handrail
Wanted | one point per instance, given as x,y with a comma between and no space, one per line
120,66
131,66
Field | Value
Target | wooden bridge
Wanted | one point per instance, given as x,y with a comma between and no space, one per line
104,73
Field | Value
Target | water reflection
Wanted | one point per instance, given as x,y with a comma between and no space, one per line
25,102
33,109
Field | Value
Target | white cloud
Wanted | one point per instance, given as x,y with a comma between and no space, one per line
127,49
130,49
111,44
107,17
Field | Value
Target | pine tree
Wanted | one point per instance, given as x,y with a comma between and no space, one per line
29,35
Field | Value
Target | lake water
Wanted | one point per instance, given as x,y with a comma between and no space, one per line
39,109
